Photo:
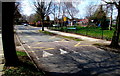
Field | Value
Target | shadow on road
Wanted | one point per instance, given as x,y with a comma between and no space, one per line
108,66
73,61
31,33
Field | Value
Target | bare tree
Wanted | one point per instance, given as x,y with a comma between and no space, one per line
115,38
109,9
43,9
55,12
31,18
111,16
90,9
71,10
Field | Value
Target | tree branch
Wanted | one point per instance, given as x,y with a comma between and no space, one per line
47,11
111,3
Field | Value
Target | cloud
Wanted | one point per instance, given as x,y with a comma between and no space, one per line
27,8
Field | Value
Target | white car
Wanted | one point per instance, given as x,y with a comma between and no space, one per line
25,24
55,25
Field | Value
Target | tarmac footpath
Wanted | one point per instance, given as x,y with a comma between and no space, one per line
85,38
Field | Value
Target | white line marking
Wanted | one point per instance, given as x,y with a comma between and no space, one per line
46,54
63,51
75,52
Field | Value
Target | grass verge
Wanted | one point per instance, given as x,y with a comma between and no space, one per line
26,67
71,38
67,37
95,32
46,32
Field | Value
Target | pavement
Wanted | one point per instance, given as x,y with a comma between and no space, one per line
59,56
85,38
1,56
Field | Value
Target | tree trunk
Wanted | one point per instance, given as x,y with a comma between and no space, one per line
11,58
42,25
115,39
42,16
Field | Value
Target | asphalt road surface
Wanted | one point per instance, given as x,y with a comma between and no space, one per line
63,57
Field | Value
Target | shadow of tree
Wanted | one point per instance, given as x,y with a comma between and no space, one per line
104,66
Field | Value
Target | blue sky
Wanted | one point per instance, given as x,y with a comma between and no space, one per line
82,7
27,9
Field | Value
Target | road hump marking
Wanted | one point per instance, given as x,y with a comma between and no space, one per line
46,54
44,48
77,44
63,51
37,43
48,49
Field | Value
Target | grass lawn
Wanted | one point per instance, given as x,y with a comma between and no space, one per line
96,32
26,67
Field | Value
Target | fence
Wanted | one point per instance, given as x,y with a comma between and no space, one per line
95,32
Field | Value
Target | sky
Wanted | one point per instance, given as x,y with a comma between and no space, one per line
27,9
82,7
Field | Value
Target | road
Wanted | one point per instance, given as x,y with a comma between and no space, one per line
62,57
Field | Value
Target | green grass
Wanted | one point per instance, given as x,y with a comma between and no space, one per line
20,53
96,32
71,38
26,67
